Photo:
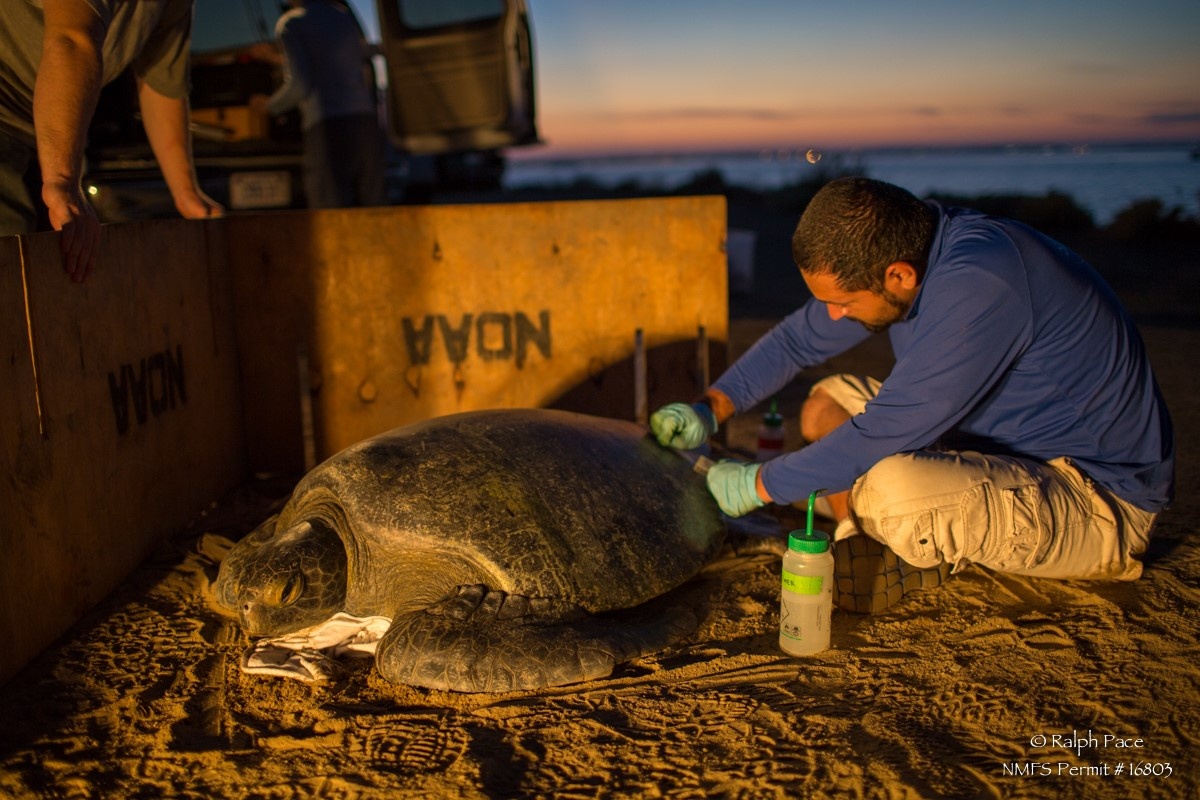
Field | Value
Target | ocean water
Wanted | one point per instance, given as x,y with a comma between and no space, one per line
1102,179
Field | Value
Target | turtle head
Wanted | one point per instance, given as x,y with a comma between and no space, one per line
293,581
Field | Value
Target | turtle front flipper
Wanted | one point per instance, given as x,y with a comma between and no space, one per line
481,640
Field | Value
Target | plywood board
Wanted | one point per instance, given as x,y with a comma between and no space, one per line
131,427
412,312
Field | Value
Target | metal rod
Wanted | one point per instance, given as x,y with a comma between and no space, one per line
306,414
33,353
641,409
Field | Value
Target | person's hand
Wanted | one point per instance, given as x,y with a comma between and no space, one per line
682,426
195,204
74,217
734,484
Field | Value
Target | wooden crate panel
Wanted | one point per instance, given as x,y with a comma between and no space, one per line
413,312
133,424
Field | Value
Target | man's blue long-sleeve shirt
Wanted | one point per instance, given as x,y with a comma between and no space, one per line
326,64
1013,345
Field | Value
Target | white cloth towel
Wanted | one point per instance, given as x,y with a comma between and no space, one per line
308,655
845,529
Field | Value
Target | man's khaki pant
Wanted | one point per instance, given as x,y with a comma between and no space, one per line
1009,514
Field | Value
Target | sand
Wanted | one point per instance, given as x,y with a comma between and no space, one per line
989,686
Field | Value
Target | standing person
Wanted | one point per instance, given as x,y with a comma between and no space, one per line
54,57
1021,427
327,73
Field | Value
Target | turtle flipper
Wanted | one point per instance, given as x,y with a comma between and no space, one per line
482,640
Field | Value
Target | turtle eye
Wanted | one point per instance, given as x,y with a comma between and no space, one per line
291,589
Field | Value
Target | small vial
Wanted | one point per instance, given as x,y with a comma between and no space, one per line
806,598
770,435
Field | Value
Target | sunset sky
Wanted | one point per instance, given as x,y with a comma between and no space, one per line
670,75
621,76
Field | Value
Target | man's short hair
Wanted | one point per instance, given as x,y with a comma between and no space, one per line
854,228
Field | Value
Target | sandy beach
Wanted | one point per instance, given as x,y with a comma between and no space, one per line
989,686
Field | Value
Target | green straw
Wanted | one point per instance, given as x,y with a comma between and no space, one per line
812,498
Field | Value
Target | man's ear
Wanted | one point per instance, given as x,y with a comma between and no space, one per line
901,275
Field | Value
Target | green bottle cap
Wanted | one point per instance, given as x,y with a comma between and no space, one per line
808,541
773,419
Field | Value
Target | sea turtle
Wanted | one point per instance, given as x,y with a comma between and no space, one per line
503,545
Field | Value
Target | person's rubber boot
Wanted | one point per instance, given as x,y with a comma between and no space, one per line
870,578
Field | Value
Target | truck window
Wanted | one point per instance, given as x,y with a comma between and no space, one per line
227,24
424,15
460,75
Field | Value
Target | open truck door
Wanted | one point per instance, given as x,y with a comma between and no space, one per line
460,75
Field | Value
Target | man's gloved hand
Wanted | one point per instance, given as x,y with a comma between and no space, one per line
682,426
735,486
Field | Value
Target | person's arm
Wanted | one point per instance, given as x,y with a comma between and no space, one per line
64,100
296,80
805,338
166,122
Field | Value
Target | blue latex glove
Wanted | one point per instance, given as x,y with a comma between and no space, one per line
682,426
734,485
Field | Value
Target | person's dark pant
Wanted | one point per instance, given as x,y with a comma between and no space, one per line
17,210
344,162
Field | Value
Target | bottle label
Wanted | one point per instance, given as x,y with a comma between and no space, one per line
803,623
802,584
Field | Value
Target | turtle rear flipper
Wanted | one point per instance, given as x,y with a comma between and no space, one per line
481,640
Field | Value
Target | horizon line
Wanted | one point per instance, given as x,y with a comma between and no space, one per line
798,151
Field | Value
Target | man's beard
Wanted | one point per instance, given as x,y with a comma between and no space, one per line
899,306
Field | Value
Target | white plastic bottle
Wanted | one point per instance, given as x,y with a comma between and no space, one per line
806,599
770,435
